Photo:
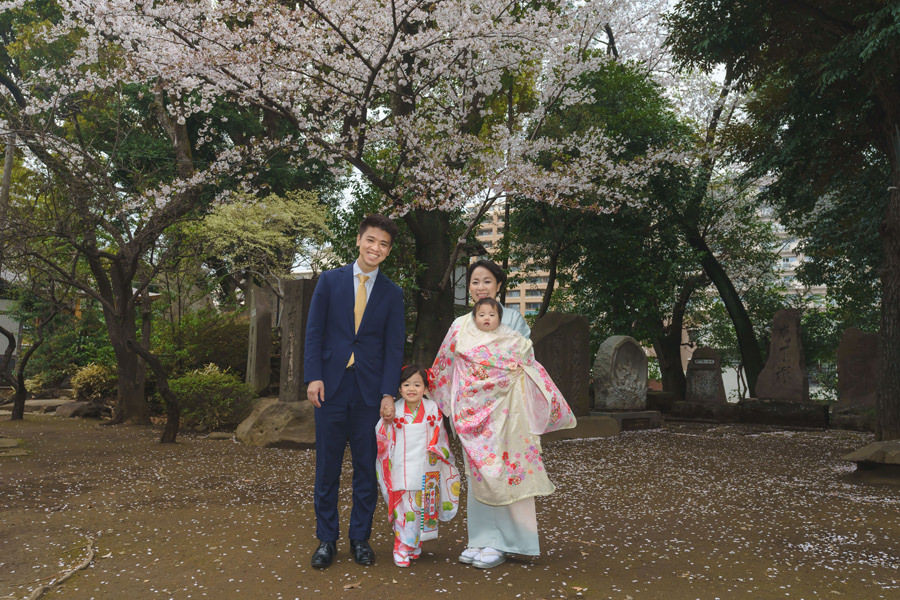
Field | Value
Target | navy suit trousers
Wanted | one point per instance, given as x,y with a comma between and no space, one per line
345,418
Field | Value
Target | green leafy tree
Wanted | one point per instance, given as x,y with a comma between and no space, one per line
826,112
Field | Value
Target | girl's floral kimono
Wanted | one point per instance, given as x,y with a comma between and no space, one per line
500,400
416,475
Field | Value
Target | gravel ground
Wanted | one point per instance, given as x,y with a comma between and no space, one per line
687,511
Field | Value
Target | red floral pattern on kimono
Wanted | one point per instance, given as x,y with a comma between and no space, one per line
500,400
405,506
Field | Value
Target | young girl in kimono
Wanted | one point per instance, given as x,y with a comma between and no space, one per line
500,401
415,467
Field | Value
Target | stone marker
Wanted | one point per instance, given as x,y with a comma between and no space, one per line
784,376
704,378
275,424
620,375
259,350
297,294
562,345
858,361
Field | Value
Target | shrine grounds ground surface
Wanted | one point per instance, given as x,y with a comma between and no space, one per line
687,511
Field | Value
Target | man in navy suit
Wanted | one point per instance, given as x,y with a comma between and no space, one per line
353,354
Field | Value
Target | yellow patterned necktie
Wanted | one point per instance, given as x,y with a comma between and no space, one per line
359,307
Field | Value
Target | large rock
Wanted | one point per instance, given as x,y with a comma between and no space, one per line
620,375
79,409
858,361
562,345
784,376
704,378
275,424
886,453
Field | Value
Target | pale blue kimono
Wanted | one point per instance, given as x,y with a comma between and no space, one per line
511,528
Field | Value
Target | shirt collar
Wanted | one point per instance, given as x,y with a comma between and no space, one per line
357,271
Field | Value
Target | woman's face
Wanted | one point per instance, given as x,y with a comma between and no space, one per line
483,284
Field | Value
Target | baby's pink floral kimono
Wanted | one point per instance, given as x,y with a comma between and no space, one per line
500,400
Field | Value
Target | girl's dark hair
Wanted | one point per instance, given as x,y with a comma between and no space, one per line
495,269
490,302
409,370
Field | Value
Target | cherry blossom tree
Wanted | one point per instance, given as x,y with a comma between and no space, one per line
435,103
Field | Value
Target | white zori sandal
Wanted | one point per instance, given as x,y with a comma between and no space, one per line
469,555
489,558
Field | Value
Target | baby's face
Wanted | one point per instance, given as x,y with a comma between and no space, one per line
486,318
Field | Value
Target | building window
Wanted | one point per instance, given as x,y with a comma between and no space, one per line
532,306
486,231
534,292
512,293
513,305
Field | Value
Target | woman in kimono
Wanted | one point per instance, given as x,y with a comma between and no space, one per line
499,400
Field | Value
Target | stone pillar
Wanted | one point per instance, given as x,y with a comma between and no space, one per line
784,376
297,294
259,350
620,375
562,345
704,378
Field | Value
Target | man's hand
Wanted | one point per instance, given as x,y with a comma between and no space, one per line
315,393
387,408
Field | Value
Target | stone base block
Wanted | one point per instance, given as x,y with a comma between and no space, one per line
854,419
632,420
587,427
781,412
702,411
661,401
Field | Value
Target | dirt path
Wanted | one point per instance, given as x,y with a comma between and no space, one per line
689,511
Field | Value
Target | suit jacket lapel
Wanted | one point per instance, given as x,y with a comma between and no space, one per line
347,294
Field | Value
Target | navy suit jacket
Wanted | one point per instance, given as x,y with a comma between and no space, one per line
330,338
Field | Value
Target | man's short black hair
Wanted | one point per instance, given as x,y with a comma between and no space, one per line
381,222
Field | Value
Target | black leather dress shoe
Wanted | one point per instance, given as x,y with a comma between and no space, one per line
362,552
324,555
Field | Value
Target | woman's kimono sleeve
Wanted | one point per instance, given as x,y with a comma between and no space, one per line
443,385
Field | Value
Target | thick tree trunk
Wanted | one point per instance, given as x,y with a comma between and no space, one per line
21,394
743,327
668,343
131,406
668,353
434,297
173,408
888,397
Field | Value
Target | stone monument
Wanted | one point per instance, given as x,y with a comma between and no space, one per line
858,361
620,375
704,378
561,344
784,376
259,350
297,295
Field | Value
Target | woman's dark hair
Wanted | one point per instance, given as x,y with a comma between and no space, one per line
409,370
495,269
381,222
490,302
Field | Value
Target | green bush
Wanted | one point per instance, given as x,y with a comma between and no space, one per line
95,383
203,337
71,343
212,399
